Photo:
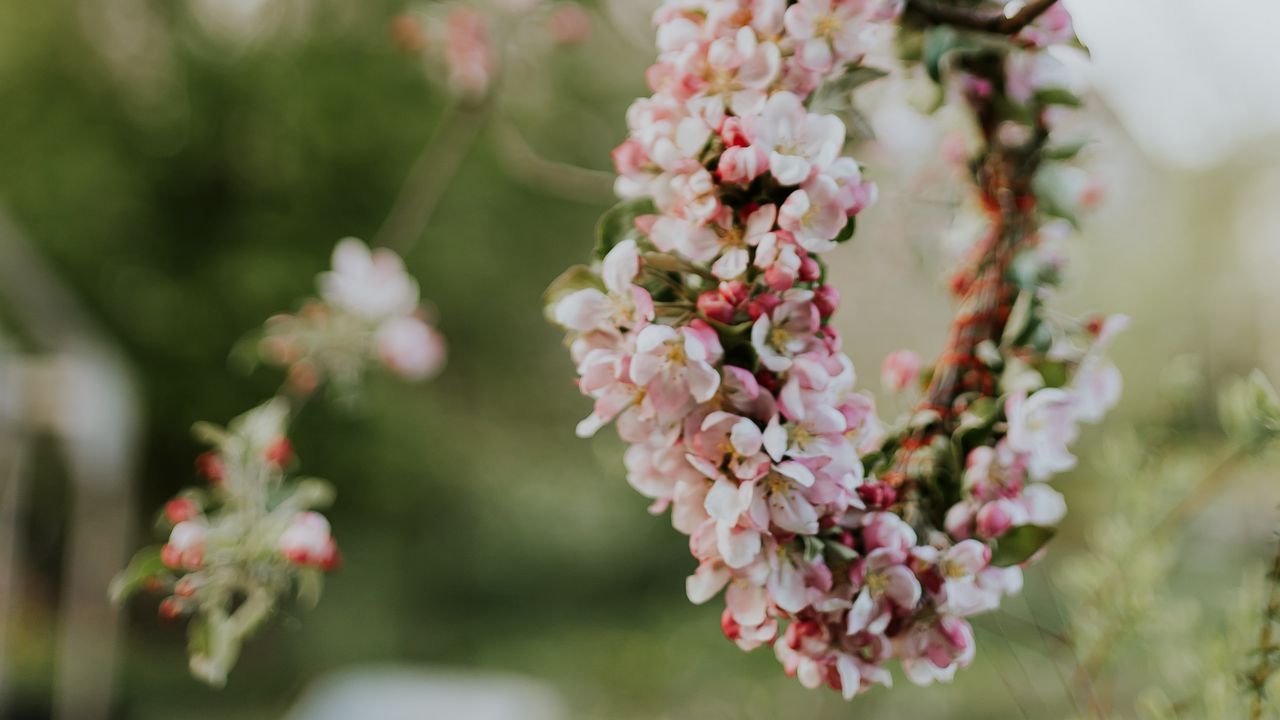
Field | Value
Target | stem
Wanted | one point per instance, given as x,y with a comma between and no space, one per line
990,21
1266,644
431,176
1194,500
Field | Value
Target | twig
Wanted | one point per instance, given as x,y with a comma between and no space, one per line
563,179
1266,644
984,21
431,176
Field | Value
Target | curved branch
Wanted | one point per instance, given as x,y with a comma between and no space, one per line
998,22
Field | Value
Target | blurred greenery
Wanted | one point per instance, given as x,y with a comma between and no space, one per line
188,182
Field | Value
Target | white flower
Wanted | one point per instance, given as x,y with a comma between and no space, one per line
373,285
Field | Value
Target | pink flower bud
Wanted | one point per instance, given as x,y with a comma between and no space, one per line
762,304
735,293
778,278
209,465
180,509
742,164
729,626
732,132
810,270
279,452
900,370
827,299
712,304
995,518
629,157
569,24
170,608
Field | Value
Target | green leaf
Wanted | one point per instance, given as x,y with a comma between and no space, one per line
812,547
842,551
847,231
310,494
1066,151
939,40
310,584
619,222
980,414
209,434
1019,318
144,566
1058,96
1019,544
577,277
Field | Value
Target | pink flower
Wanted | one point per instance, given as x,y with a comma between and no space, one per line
725,437
410,347
834,31
623,303
372,285
960,567
814,214
801,143
741,68
1040,428
900,370
788,330
467,52
675,365
887,584
933,653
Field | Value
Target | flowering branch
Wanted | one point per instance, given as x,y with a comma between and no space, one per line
240,545
844,546
993,21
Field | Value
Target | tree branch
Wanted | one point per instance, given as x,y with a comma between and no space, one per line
998,22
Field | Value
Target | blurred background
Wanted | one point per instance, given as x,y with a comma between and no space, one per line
172,172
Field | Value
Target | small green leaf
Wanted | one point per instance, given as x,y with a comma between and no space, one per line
842,551
1058,96
1066,151
144,566
939,40
619,222
847,231
577,277
209,434
310,584
812,547
310,494
1019,544
1019,318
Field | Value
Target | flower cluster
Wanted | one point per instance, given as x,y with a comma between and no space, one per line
467,41
368,310
239,544
703,333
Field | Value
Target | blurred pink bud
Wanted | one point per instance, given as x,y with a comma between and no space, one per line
901,369
407,34
995,518
411,348
827,299
180,509
712,304
569,24
629,157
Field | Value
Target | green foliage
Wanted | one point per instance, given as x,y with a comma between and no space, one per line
1019,544
619,223
145,566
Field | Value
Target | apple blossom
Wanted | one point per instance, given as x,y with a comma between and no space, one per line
704,335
